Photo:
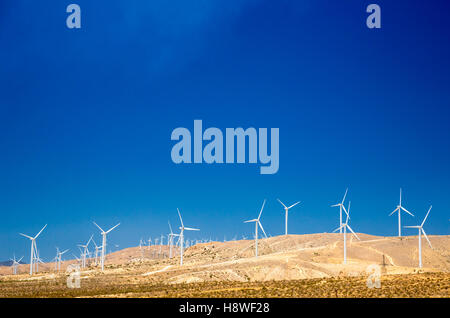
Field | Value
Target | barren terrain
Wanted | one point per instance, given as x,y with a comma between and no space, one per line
288,266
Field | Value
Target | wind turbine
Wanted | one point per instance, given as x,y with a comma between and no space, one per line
102,260
341,208
96,252
85,251
258,223
345,226
399,210
59,254
55,259
286,209
161,244
421,230
182,229
15,264
38,261
171,236
33,247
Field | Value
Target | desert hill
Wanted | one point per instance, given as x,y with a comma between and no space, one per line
289,257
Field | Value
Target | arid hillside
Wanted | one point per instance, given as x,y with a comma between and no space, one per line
281,259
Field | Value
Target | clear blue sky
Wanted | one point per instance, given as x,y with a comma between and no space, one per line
86,116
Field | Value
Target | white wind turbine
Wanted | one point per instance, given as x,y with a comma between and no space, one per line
96,252
258,223
102,260
399,210
55,259
182,229
286,209
345,226
421,230
15,263
341,208
171,236
33,248
161,244
59,257
38,261
85,252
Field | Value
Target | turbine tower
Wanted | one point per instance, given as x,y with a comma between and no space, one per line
341,208
96,252
182,229
161,244
33,252
258,223
102,260
286,209
55,259
345,226
399,210
421,230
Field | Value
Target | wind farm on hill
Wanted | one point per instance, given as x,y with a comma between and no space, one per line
309,265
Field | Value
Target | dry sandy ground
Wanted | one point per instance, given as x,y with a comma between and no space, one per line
283,259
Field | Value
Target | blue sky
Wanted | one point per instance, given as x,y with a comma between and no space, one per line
86,116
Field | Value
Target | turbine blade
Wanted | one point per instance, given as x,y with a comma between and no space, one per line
26,236
294,205
348,226
282,203
426,215
99,227
170,227
413,227
345,195
90,239
250,221
179,214
260,225
262,208
338,229
112,228
394,211
425,234
345,210
407,211
190,229
40,231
